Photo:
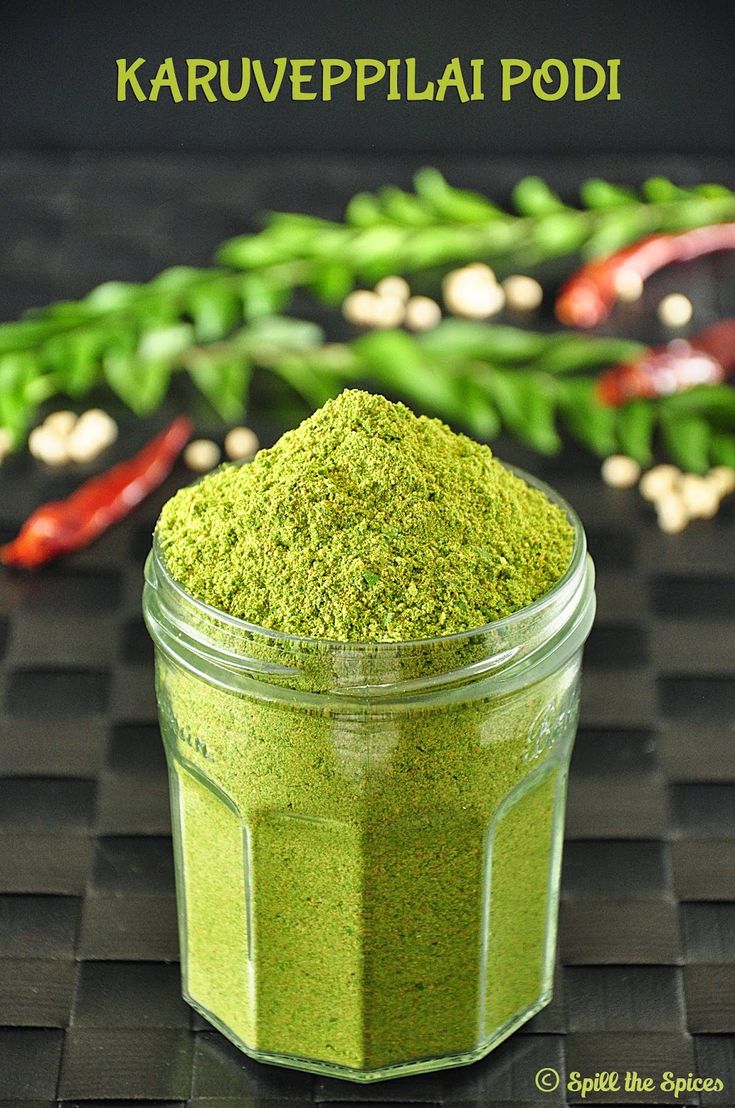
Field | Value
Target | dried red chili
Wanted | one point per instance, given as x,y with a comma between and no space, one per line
587,298
706,359
62,526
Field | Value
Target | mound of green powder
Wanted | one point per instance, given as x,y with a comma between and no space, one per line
366,524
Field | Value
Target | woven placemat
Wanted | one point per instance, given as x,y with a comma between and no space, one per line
89,991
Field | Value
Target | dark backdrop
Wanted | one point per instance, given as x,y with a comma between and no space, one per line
57,74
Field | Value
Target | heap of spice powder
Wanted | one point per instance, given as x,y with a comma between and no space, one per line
366,523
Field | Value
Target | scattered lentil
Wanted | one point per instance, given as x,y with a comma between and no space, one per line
620,472
241,443
522,293
359,307
628,285
201,455
388,311
394,287
61,422
659,480
92,433
422,313
672,513
723,478
701,497
48,447
6,443
675,310
473,291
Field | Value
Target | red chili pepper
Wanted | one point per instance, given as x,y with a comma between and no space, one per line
587,297
62,526
706,359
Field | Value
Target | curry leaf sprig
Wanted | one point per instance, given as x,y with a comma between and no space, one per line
216,323
437,225
489,378
129,337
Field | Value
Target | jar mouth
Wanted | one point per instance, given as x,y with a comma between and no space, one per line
174,616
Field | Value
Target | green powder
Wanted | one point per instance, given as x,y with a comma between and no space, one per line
366,524
367,885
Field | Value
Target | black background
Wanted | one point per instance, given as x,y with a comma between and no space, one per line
58,75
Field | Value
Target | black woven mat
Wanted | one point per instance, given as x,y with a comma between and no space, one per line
89,992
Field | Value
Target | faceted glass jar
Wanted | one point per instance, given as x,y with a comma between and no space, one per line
368,836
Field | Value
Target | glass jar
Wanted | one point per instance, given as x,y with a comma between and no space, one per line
368,837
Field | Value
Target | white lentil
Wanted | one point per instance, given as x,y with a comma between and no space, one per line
675,310
61,422
48,447
240,443
628,285
701,498
6,443
523,294
723,478
478,301
620,472
201,455
658,481
394,287
93,432
389,311
422,313
671,513
360,307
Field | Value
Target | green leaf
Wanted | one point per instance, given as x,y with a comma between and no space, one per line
398,362
260,296
601,195
619,227
141,385
371,579
713,191
527,406
480,415
165,344
333,282
375,249
23,334
533,197
215,310
569,352
112,296
307,379
253,251
635,425
722,450
715,402
486,342
74,357
363,210
560,232
180,278
659,190
404,207
457,205
688,439
276,333
224,383
587,420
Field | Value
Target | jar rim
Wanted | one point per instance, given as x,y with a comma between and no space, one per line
497,626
